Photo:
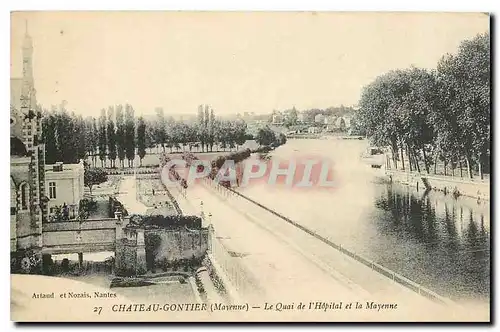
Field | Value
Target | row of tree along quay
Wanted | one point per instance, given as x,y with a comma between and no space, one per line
118,135
434,120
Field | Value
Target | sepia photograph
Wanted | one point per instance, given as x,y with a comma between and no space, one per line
250,166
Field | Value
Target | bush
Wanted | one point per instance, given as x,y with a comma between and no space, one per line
167,222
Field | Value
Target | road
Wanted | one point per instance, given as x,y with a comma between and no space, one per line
277,266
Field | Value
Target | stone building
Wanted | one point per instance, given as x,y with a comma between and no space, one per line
64,185
27,166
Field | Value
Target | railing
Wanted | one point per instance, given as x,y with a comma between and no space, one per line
405,282
171,197
240,277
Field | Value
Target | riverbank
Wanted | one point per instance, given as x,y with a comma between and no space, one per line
477,189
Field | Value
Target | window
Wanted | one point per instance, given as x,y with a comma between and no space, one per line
12,211
51,210
52,190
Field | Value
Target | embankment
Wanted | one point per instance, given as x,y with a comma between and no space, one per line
478,189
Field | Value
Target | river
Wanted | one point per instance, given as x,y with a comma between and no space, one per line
435,240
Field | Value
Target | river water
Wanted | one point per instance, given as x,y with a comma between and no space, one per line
435,240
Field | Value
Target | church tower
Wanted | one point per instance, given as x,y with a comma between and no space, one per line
28,205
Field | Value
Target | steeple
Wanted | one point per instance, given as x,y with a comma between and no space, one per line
27,42
27,57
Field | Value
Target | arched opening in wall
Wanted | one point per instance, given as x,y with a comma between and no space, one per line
24,191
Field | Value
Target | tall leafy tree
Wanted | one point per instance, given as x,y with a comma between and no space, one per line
111,136
141,138
201,127
120,134
102,138
160,133
129,134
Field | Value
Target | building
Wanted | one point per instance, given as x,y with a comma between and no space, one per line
278,118
314,130
28,209
65,187
319,118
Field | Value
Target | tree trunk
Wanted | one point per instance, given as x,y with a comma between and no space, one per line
394,157
469,169
480,167
402,160
435,163
445,163
460,165
410,161
426,164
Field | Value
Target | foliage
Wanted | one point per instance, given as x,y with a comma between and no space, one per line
117,134
114,205
94,176
85,207
265,136
430,115
141,138
152,243
111,134
165,222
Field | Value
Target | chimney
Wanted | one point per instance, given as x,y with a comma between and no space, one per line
58,167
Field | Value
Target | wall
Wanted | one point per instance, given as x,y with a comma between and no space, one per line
25,231
180,244
471,188
130,255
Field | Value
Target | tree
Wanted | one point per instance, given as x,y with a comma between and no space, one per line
120,134
441,115
49,138
129,134
211,130
94,176
111,137
95,140
201,127
102,137
291,118
141,138
84,209
81,137
160,128
265,136
465,98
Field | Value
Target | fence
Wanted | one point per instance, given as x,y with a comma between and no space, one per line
132,171
403,281
239,276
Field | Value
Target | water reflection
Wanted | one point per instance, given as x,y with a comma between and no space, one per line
440,242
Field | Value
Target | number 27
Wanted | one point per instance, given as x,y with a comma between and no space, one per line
98,310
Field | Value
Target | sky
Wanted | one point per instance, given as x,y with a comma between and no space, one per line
235,62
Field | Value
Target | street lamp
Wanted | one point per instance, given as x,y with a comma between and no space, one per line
210,218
